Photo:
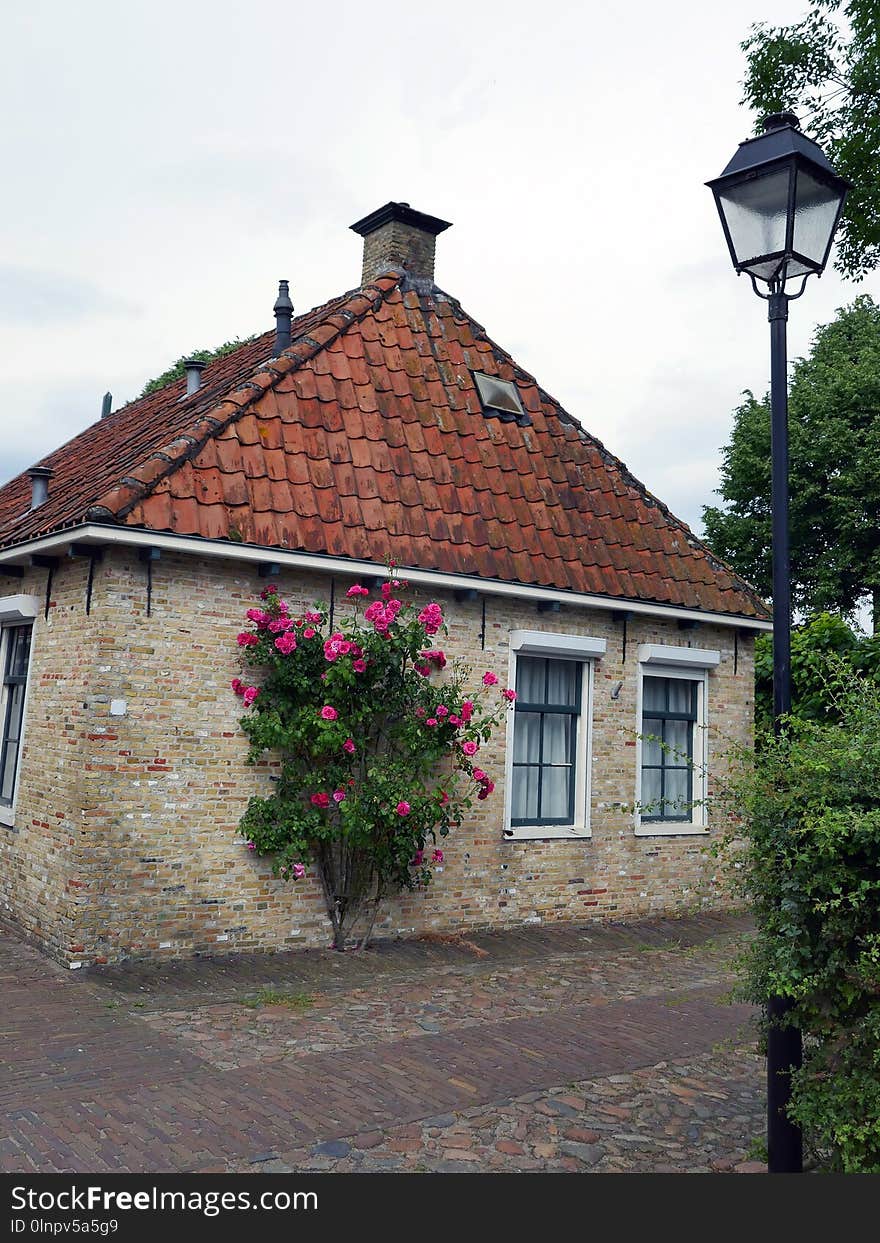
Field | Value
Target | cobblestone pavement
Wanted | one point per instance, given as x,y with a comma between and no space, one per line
567,1049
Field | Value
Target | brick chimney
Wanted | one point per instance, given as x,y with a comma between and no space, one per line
396,236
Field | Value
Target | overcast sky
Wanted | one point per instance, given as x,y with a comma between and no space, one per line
165,163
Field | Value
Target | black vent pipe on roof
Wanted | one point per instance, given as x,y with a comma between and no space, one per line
39,477
283,314
106,405
194,368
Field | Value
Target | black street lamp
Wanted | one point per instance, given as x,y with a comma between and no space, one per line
780,201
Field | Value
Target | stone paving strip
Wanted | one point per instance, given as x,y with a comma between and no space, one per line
501,1048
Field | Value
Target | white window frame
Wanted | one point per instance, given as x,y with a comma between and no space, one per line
15,611
586,650
688,664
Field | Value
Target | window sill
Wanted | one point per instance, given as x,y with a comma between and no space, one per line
675,829
7,817
546,832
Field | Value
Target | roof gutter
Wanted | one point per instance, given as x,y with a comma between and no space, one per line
254,554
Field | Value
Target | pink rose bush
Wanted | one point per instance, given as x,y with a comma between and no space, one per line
374,730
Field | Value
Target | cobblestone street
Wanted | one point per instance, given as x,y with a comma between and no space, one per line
599,1048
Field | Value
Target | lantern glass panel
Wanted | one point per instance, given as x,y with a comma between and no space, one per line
756,212
816,207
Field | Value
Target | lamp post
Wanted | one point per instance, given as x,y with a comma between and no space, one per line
780,201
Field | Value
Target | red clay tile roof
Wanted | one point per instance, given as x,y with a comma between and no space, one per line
366,439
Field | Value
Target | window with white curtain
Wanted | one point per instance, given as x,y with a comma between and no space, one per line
545,738
549,734
672,741
15,647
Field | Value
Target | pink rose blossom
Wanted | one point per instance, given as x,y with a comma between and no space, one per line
455,720
441,710
444,798
437,856
431,618
348,746
357,590
417,858
487,789
258,616
387,589
403,808
479,775
423,669
250,694
467,710
328,713
432,721
309,632
250,845
359,666
489,679
237,685
470,748
270,590
320,800
509,695
298,871
435,657
247,639
281,624
286,643
338,796
312,616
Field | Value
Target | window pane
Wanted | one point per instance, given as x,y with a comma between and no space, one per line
526,737
563,682
531,680
7,777
654,694
555,793
652,751
525,794
20,642
650,799
677,737
678,792
682,695
557,738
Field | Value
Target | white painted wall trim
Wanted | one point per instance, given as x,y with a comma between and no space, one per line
226,550
18,608
543,643
678,657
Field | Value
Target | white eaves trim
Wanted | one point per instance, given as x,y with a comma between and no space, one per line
543,643
18,608
678,657
229,551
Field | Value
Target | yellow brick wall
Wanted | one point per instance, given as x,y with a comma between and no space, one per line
125,840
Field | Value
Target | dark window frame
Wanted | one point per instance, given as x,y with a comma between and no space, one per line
10,680
543,710
661,717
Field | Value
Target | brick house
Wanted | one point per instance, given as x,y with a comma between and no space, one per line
384,424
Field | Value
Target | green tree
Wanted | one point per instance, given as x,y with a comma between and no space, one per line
176,370
826,69
834,430
823,650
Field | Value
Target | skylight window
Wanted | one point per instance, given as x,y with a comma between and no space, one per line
500,398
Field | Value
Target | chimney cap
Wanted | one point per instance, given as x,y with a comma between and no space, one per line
41,472
194,364
283,302
402,213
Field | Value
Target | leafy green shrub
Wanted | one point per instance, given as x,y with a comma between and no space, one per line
805,849
822,648
375,759
177,369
